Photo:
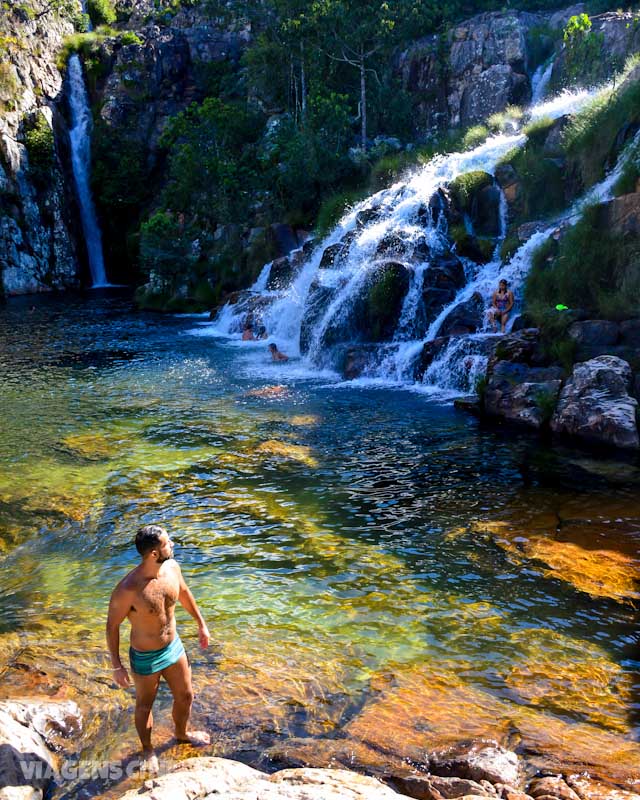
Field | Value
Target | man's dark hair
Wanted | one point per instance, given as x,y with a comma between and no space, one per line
148,538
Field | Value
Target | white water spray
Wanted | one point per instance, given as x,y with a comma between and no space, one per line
80,136
320,313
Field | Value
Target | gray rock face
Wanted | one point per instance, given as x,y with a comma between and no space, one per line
198,778
595,404
36,248
594,332
484,70
522,394
466,317
478,761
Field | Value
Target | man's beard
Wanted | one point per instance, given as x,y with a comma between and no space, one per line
162,559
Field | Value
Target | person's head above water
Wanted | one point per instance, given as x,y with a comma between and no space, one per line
154,538
273,347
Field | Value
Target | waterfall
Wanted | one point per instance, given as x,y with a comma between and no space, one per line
81,162
401,235
540,81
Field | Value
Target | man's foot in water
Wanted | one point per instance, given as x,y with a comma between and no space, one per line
196,738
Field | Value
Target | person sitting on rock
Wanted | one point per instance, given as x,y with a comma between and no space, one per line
501,305
276,355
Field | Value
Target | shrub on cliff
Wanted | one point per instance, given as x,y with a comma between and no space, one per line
101,12
39,141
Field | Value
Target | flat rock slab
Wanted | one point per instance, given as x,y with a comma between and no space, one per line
217,777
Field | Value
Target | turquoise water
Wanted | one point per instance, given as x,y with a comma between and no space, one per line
331,530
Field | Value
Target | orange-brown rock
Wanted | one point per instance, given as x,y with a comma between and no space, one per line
553,786
589,789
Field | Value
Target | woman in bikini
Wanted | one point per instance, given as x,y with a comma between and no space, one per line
502,303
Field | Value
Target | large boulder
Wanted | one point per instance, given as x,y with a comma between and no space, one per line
317,303
30,730
523,394
200,778
467,317
442,280
595,405
594,332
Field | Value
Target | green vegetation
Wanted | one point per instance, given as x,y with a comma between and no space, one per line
9,86
39,141
593,269
593,138
583,51
334,207
505,121
466,187
101,12
474,136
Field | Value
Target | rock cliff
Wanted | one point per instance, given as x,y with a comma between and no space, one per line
37,210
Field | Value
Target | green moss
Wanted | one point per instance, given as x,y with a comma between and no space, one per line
101,12
9,86
384,301
538,130
129,37
465,187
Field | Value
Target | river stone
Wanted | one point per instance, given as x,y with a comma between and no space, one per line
435,787
198,778
594,332
522,394
553,786
317,303
478,761
595,404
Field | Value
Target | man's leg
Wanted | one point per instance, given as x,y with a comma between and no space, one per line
146,691
178,676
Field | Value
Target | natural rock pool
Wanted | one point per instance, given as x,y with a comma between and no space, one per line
381,575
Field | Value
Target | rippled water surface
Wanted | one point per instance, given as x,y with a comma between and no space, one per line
332,535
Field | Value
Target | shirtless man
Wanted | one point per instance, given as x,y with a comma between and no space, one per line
277,355
147,597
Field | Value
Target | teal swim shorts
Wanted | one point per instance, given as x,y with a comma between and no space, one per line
146,662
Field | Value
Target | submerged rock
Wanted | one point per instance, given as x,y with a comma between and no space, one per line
482,761
595,405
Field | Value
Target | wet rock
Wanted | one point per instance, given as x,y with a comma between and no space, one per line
492,91
598,332
523,394
467,317
528,229
393,245
429,353
331,256
510,793
589,789
284,237
317,304
523,346
479,761
621,215
203,777
441,282
282,273
595,405
552,786
367,215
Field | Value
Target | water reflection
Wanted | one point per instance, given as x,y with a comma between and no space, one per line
356,552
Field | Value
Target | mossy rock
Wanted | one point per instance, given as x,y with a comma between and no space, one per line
465,188
385,297
478,249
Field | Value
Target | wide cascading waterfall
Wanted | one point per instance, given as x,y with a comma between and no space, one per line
387,284
80,136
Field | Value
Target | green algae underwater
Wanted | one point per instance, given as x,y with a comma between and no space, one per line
382,575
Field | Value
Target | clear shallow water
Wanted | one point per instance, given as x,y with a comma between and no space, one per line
335,533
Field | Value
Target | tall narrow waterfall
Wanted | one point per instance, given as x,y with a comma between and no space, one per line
81,163
385,297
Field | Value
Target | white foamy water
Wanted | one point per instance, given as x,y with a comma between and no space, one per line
319,318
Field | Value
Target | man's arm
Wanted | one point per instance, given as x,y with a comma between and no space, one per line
187,601
119,606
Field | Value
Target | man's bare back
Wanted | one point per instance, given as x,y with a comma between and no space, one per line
147,597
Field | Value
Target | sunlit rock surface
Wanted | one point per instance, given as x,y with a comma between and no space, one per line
203,777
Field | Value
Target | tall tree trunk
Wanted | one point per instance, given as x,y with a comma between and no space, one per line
363,103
